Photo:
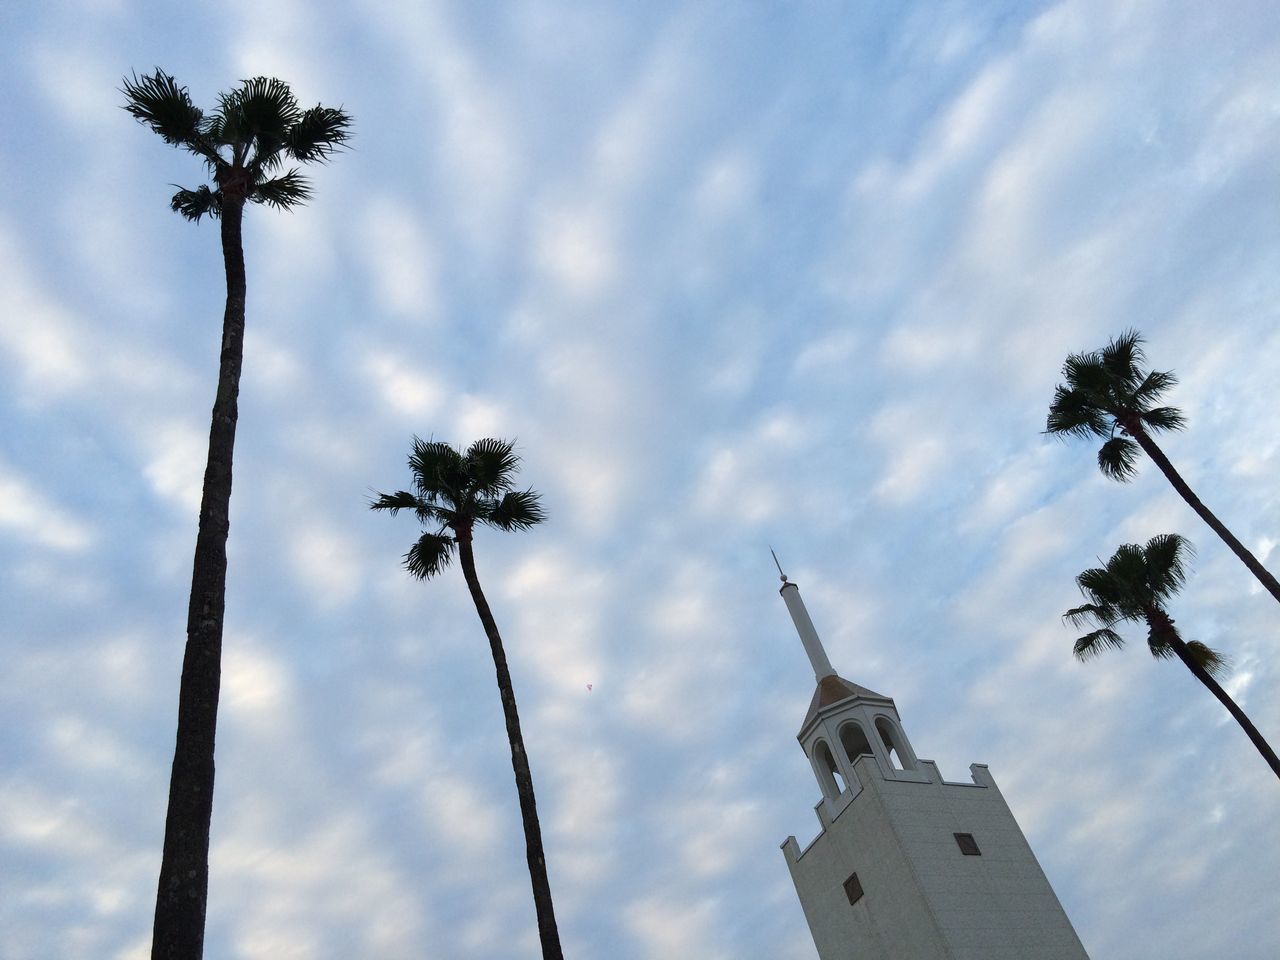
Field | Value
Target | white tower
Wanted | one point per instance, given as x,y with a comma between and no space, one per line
907,866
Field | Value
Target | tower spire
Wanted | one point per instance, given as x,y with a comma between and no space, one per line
804,626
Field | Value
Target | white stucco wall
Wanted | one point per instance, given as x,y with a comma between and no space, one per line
923,899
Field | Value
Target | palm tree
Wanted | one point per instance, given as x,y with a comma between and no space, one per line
452,492
1135,586
1108,394
243,143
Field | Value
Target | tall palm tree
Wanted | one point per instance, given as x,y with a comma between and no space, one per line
1108,394
1135,586
452,493
243,143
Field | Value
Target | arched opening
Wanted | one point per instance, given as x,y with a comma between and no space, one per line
854,740
891,739
828,772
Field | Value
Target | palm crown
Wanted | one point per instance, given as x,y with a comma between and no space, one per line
244,142
1107,391
453,491
1134,586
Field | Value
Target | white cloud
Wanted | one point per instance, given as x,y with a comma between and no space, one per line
399,257
254,684
728,185
175,467
469,118
405,389
916,451
742,477
40,336
668,925
575,248
477,417
28,514
327,562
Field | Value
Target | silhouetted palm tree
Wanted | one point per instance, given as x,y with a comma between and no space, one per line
1134,586
1107,394
452,492
243,143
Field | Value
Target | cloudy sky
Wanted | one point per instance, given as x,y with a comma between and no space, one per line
736,275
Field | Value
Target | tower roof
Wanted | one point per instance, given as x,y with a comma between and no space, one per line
834,689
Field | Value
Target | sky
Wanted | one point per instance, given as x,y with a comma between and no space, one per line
735,276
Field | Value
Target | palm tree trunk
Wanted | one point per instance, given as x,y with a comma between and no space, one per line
1201,674
183,890
547,931
1248,559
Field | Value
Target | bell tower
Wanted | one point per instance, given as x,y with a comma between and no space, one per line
907,866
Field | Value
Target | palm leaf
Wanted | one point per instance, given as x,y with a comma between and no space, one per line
283,192
395,502
1122,358
1129,580
490,464
1211,661
1090,613
318,134
429,555
261,106
1159,419
438,471
1160,648
1093,644
1099,585
1118,458
517,510
1086,373
159,103
1074,414
194,204
1154,386
1166,556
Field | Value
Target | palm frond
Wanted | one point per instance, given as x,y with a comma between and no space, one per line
439,471
517,510
1099,585
1087,373
1160,648
1156,383
268,153
1129,579
1118,459
1159,419
395,502
429,555
157,101
1093,644
1211,661
1090,613
491,464
1122,359
1073,413
215,130
283,192
1167,556
318,134
258,106
194,204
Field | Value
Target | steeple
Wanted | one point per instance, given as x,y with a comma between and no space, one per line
804,626
845,720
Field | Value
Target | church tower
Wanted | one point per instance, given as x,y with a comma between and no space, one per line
907,866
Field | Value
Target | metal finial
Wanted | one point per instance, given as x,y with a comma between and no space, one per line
778,565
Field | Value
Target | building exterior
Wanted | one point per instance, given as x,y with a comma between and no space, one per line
907,866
